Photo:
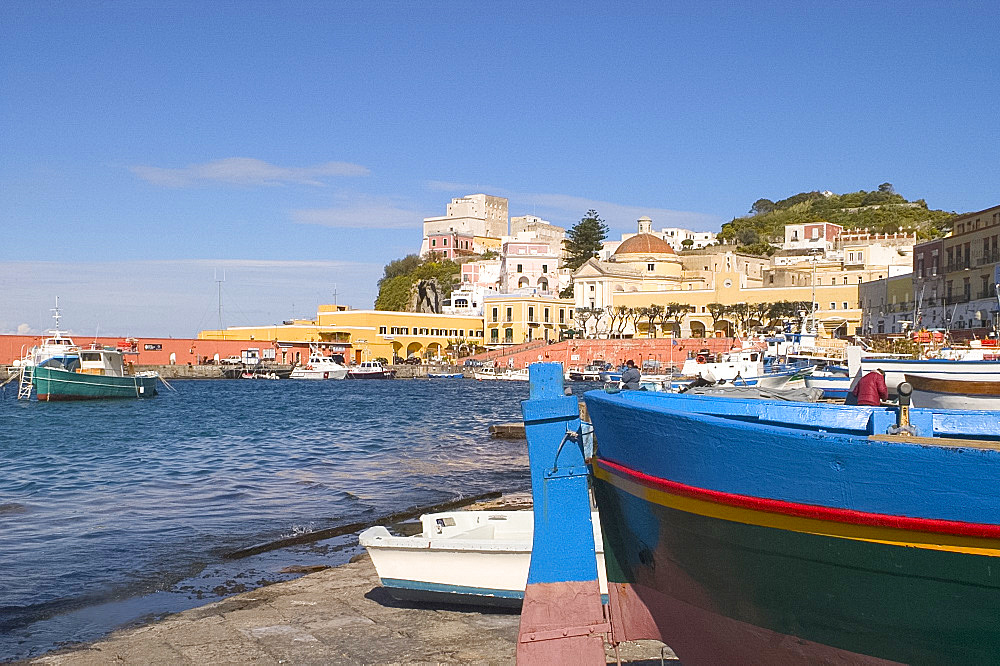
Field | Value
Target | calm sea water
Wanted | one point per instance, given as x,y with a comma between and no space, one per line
114,512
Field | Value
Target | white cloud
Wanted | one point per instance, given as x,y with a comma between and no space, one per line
362,214
246,171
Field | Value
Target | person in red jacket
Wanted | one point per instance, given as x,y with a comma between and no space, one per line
871,389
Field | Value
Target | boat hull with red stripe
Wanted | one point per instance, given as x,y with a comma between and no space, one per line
741,531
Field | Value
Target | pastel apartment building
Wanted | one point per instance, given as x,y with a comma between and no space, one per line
528,265
475,215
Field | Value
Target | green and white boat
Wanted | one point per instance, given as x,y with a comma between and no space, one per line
97,373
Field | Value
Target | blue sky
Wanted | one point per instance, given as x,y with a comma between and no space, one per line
145,147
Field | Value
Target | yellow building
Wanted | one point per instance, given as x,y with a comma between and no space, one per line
837,309
514,319
644,271
361,335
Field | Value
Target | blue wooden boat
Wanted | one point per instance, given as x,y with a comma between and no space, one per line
741,531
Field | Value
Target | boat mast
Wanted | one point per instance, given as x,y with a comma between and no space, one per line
56,314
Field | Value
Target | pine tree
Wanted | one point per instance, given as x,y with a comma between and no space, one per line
583,240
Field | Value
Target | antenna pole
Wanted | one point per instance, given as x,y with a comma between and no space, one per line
219,282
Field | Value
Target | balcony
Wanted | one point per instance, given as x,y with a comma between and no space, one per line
959,298
990,257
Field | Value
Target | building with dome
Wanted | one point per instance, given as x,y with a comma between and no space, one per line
644,270
642,262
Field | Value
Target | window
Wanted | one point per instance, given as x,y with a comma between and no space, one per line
445,242
495,314
845,279
531,313
546,314
650,267
510,314
520,268
434,242
562,316
494,335
508,335
381,330
833,306
545,268
845,305
591,287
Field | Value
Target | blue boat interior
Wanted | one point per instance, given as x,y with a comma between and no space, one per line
818,417
62,362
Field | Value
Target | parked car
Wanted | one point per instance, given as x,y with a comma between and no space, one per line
472,363
412,360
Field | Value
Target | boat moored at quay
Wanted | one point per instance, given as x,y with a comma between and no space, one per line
741,531
320,366
370,370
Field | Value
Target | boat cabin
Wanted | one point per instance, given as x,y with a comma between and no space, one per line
105,362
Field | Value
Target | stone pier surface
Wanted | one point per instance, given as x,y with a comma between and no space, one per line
336,616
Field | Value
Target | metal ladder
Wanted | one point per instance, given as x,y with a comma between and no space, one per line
24,385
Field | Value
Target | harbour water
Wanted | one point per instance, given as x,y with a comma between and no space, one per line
116,512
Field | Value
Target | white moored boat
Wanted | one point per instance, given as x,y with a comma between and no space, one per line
935,393
320,366
370,370
470,557
502,374
978,363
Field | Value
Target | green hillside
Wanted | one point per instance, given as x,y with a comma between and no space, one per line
882,211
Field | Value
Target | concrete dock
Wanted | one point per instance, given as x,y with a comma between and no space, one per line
340,615
336,616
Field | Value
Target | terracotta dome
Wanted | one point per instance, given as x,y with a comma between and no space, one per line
644,244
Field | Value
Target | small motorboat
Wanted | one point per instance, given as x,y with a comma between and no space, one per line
502,374
464,557
370,370
590,373
320,366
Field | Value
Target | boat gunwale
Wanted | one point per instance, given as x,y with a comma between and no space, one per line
818,431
